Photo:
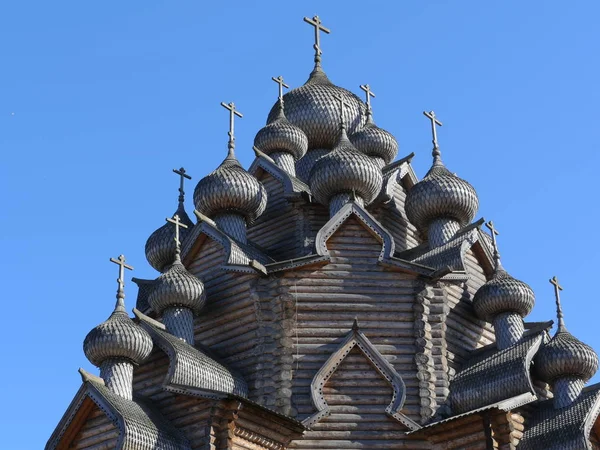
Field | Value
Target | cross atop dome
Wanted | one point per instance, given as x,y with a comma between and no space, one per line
232,113
368,93
182,176
559,313
279,81
316,22
178,224
494,232
343,103
120,261
434,121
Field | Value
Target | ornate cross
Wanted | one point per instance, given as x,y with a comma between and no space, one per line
182,177
434,121
559,313
342,104
232,113
369,93
316,22
279,81
494,233
175,220
120,261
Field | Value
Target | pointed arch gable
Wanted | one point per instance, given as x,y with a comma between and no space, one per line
356,338
366,219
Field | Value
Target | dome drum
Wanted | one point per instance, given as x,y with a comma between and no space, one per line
338,201
441,231
118,376
180,323
233,225
508,329
286,161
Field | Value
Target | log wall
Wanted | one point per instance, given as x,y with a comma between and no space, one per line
97,433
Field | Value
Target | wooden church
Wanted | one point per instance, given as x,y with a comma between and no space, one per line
326,298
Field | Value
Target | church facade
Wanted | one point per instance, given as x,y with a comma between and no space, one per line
326,298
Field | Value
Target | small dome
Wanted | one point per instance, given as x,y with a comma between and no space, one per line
230,189
314,108
345,169
160,251
177,287
441,194
279,135
503,294
375,142
117,337
566,356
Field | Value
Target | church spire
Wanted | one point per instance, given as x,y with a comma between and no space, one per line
494,232
120,261
559,311
437,155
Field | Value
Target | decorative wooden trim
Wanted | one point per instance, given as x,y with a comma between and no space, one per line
290,189
371,224
356,338
257,439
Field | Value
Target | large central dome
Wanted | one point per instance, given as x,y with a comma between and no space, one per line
314,108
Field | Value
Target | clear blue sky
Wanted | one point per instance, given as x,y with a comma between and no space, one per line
100,100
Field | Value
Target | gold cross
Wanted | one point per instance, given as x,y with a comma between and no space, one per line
279,81
369,93
434,121
182,177
559,313
175,220
316,22
120,261
232,113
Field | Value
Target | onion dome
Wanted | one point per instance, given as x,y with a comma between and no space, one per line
230,189
441,194
177,288
565,356
345,170
372,140
502,294
279,135
117,337
159,246
313,108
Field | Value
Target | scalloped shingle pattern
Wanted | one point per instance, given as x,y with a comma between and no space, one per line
160,246
560,429
566,356
492,376
503,293
117,337
375,142
345,169
230,188
441,195
177,288
315,109
279,135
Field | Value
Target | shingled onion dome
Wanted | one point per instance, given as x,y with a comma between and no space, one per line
504,301
313,108
178,296
159,246
344,175
565,362
230,195
282,141
116,345
441,203
373,141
